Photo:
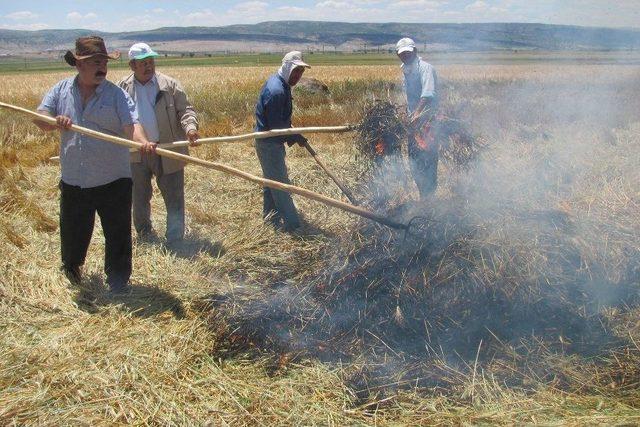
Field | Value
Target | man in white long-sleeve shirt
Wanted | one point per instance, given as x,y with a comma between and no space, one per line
420,84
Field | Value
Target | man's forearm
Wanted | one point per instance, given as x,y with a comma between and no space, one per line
189,120
424,105
138,134
186,113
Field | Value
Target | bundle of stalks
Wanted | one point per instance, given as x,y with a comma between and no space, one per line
458,147
381,130
12,235
384,126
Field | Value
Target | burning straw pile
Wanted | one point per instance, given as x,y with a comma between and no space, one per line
385,126
381,130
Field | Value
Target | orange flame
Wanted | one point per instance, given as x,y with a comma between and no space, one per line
424,137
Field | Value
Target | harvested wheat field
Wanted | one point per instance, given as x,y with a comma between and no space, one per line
516,300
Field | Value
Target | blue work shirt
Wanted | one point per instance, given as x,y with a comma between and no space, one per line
274,107
420,81
85,161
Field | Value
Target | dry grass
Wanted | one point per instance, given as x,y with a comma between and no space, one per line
541,233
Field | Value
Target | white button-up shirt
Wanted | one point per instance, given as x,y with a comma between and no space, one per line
420,81
145,98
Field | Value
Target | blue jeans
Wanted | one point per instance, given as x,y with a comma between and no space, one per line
277,205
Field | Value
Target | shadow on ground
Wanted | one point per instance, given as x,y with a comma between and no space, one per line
192,246
141,301
188,248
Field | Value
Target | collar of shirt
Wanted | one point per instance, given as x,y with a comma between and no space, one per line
98,91
152,81
411,67
284,81
151,87
99,88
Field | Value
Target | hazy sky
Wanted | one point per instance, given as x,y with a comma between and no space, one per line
120,15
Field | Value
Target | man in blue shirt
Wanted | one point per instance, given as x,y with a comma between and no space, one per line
420,84
273,111
96,176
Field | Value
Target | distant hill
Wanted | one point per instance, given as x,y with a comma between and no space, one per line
316,35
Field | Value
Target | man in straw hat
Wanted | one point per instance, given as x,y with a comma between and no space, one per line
167,116
96,176
420,84
273,111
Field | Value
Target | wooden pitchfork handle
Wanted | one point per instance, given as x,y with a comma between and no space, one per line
222,168
342,187
262,134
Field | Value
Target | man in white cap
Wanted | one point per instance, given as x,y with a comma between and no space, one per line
273,111
420,84
167,116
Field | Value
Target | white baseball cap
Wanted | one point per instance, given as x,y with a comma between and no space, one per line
295,58
141,51
405,45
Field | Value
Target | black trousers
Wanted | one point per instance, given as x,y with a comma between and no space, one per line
78,207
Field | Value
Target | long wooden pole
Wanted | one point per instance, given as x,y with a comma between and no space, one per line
222,168
261,135
255,135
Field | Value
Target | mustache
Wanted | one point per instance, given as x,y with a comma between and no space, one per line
100,74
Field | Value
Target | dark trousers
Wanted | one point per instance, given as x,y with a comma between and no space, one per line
172,189
78,207
424,166
277,205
